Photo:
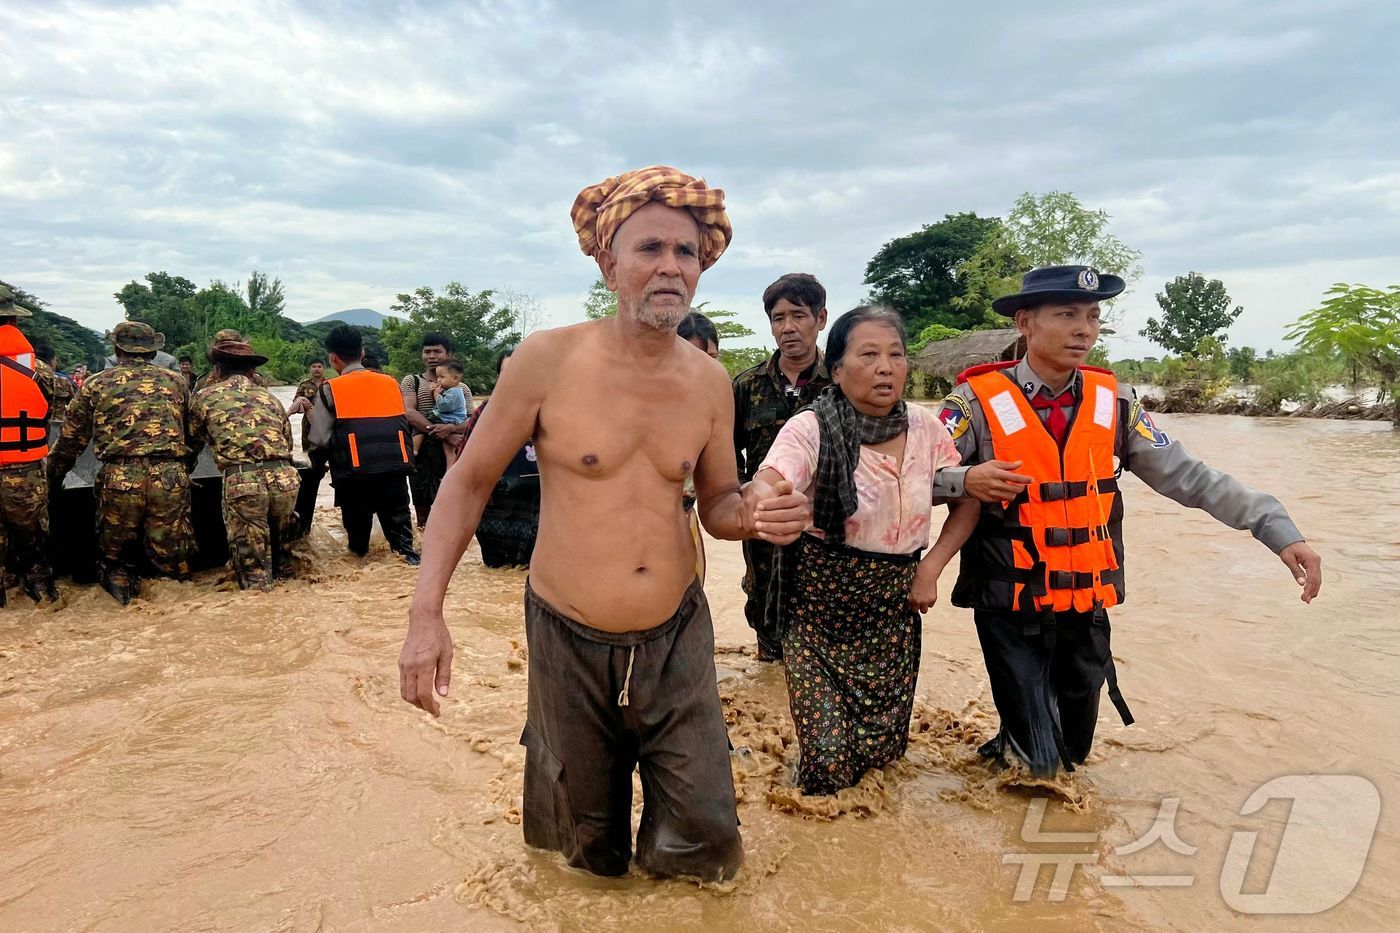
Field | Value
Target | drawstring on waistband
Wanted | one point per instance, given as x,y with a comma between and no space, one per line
622,698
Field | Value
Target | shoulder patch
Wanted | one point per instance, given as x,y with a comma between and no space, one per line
1149,430
956,415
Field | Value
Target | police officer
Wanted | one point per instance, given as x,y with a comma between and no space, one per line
765,397
26,392
251,438
359,420
1042,440
134,414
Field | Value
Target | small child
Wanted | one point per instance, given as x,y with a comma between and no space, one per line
451,406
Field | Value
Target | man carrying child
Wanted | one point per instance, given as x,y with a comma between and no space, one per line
451,405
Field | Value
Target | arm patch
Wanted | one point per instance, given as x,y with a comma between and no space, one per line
956,415
1142,423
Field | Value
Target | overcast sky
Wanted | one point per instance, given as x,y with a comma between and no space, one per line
361,149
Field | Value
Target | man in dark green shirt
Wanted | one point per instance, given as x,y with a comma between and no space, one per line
765,397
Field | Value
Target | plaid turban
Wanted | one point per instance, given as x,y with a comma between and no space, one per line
600,209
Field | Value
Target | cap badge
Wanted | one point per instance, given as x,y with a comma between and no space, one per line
1089,279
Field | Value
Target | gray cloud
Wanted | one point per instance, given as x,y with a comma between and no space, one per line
357,150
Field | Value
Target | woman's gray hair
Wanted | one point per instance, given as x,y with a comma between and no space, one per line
841,331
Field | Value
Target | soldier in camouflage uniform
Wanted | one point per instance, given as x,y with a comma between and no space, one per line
134,413
24,487
226,335
63,386
311,483
247,429
765,397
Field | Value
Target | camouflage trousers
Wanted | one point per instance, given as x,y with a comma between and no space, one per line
144,502
766,578
24,519
261,519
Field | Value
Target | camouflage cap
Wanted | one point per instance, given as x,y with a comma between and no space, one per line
235,351
8,307
225,335
136,337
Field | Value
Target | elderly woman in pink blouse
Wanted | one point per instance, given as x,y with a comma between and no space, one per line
851,640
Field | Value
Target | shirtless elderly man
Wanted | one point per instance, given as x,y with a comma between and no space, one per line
621,646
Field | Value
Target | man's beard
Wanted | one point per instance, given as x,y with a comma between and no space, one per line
660,318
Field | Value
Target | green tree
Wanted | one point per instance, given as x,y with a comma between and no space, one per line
930,334
1291,377
72,342
1242,362
166,302
1361,325
933,386
600,302
480,329
1145,371
264,296
1051,229
920,274
726,324
738,359
1192,307
1205,365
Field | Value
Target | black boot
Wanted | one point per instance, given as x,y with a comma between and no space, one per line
121,587
41,589
994,750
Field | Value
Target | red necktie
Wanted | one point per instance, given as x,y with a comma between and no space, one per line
1058,422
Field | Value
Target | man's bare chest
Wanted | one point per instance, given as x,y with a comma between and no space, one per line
610,428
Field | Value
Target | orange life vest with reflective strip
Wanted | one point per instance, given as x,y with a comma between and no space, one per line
371,435
1061,528
24,412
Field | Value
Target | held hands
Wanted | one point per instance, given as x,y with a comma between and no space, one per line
996,481
778,513
302,406
425,664
1306,565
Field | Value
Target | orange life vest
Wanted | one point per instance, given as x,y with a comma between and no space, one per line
1062,528
24,412
371,435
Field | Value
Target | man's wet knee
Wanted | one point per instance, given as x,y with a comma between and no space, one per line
710,849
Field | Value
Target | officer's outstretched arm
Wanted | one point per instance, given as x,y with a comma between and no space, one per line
1169,468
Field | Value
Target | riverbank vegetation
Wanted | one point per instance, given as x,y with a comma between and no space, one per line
941,279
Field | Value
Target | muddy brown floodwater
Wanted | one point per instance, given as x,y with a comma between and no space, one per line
214,760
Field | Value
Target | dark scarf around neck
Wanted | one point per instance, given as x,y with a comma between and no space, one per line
843,430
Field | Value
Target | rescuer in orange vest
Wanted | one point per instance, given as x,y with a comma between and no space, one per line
26,391
359,418
1043,441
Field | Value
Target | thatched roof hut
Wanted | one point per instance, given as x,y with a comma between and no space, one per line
947,358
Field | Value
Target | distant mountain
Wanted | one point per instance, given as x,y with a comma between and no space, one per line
360,317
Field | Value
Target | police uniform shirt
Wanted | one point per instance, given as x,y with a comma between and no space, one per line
1141,447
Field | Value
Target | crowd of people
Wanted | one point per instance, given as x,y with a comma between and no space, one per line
812,459
831,480
147,417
